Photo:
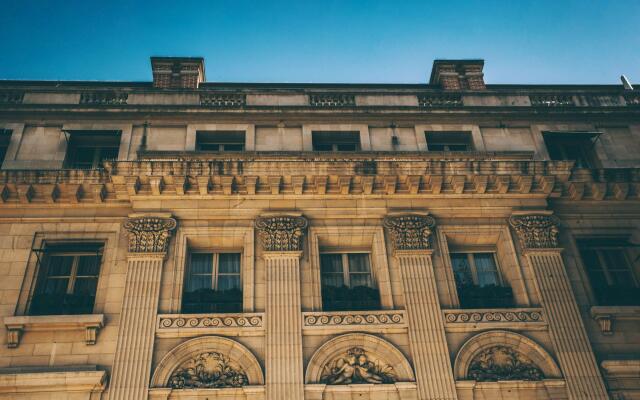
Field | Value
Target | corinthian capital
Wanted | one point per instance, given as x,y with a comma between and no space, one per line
410,232
149,234
536,231
281,233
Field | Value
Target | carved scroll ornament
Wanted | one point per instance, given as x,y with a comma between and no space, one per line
357,368
149,234
281,233
536,231
410,232
208,370
502,363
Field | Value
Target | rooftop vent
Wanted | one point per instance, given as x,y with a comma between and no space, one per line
458,74
177,72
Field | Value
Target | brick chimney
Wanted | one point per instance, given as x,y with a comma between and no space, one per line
177,72
458,74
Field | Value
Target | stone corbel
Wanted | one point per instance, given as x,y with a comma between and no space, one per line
435,182
227,184
367,184
480,183
457,183
413,183
605,316
344,184
321,184
274,184
16,326
297,182
390,183
157,185
250,183
502,184
204,184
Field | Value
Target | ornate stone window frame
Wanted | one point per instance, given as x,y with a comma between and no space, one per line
505,254
372,239
110,240
223,239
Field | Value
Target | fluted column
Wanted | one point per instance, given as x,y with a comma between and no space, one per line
411,237
281,238
148,242
538,236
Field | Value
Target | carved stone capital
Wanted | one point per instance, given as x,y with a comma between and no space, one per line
149,234
536,231
410,232
281,232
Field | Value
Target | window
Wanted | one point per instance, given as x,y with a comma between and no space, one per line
347,282
571,146
219,141
449,141
478,281
89,149
336,141
607,262
213,283
67,279
5,138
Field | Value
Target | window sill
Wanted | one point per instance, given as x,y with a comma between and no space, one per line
192,325
82,380
605,315
467,320
16,326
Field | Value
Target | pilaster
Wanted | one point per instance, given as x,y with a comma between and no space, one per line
411,237
148,242
281,238
538,236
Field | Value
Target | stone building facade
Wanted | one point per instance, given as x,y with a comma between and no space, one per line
184,239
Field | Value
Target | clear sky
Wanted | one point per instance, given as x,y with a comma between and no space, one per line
542,41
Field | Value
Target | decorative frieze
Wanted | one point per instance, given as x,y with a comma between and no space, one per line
281,233
149,234
207,371
494,316
223,100
357,367
537,231
332,100
410,232
552,100
439,100
502,363
355,319
210,321
104,98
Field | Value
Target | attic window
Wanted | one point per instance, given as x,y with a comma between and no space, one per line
572,146
215,141
89,149
449,141
336,141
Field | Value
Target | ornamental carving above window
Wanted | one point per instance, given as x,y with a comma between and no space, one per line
208,370
502,363
356,367
281,233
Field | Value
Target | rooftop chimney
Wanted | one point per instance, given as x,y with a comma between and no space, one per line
177,72
458,74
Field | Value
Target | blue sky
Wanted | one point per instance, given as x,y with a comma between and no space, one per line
559,41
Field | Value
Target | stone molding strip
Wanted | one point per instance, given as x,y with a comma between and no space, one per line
192,325
326,322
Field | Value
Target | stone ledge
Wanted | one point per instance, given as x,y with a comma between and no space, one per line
404,390
332,322
16,326
546,388
517,319
192,325
87,380
244,392
605,315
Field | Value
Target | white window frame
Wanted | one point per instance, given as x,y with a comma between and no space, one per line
346,274
215,266
472,263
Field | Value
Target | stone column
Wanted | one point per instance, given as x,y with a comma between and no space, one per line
148,242
281,238
538,236
411,237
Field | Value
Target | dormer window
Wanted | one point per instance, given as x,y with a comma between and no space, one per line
214,141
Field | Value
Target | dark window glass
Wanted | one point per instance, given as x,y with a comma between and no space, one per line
478,281
607,264
347,282
67,280
336,141
213,283
567,146
449,141
89,149
214,141
5,138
